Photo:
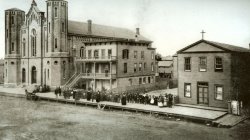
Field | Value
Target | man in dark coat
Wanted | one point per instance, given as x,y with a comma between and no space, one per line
98,98
88,95
124,100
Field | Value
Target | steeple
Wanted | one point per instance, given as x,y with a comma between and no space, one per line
33,3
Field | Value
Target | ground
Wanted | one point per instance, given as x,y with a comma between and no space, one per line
21,119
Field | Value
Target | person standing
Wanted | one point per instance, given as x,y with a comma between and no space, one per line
59,91
98,98
88,95
56,92
124,100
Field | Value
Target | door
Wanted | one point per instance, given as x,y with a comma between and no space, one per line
203,93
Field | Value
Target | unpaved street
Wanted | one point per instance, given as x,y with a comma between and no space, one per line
22,120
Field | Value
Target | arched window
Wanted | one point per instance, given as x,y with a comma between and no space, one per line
55,11
55,43
33,75
24,46
33,42
23,75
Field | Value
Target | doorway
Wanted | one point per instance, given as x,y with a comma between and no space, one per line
202,93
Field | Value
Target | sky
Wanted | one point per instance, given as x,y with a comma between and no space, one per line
170,24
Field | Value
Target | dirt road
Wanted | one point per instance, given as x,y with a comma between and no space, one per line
22,120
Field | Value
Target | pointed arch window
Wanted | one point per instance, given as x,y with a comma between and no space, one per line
33,42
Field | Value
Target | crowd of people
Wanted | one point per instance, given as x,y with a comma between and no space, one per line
165,100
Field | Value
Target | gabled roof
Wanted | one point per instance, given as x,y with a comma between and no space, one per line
81,28
223,46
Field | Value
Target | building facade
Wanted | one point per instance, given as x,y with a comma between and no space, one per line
45,48
165,67
211,74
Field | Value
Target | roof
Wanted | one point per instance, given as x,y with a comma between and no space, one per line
165,63
75,27
13,9
223,46
167,58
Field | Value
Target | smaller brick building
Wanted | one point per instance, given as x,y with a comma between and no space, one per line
212,73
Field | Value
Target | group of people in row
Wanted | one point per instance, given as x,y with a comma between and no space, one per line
165,100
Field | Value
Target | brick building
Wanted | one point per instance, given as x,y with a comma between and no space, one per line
45,48
212,73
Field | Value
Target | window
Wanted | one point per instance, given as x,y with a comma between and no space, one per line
63,30
89,54
103,53
49,27
130,81
145,66
142,54
48,73
144,80
12,20
149,80
64,69
97,68
55,43
187,64
55,11
56,62
218,64
140,81
140,67
152,55
187,90
135,54
12,46
135,67
82,52
24,47
203,64
152,66
96,54
218,92
125,67
109,53
125,54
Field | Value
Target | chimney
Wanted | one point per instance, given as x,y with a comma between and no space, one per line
89,26
138,31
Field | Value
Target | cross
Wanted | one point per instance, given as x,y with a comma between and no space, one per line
203,34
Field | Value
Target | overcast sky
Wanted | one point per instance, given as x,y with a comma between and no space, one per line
170,24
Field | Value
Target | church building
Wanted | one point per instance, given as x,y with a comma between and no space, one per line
212,73
46,48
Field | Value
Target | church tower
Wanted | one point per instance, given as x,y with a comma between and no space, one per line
57,23
14,19
57,30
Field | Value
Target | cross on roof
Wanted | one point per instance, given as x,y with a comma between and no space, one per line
203,34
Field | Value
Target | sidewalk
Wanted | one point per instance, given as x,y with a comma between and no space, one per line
181,111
